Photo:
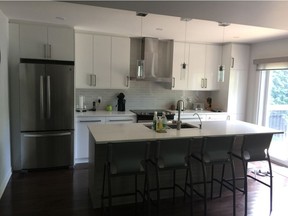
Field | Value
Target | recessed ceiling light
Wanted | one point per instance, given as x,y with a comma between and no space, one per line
159,29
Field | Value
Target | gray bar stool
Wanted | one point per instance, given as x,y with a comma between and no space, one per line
214,151
125,159
255,147
170,155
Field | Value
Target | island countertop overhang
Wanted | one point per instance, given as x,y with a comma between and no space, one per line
115,133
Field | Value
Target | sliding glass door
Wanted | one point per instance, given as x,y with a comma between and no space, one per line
273,110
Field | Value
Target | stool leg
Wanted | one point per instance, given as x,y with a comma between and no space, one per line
212,181
271,184
191,187
245,165
234,186
103,190
222,177
205,187
186,180
136,201
158,189
109,190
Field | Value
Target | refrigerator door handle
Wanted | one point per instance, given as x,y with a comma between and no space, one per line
48,134
41,98
48,98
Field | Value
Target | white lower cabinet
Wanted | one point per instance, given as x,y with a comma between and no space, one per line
82,137
82,133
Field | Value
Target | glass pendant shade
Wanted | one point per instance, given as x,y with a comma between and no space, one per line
140,69
221,73
183,71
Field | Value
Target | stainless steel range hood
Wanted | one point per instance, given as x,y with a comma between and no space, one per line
157,55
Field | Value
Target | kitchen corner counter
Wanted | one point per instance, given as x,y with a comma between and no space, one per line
103,113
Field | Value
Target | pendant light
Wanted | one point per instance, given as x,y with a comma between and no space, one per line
184,68
140,62
221,68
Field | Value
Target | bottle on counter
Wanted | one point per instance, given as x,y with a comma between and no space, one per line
159,125
164,121
155,121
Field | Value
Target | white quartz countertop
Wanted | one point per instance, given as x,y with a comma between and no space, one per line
103,113
112,133
191,112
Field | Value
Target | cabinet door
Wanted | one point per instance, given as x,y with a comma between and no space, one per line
83,60
240,54
120,63
33,39
213,60
102,61
197,56
180,78
82,137
61,41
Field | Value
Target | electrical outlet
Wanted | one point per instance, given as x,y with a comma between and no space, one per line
99,100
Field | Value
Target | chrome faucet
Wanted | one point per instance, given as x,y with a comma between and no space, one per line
200,125
179,111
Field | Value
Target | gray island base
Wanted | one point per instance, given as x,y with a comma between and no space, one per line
100,135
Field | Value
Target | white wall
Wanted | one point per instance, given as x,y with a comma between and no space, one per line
5,158
277,48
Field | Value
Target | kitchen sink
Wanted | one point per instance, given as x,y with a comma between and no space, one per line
174,126
183,126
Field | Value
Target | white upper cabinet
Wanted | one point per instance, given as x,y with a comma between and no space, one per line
204,61
120,63
46,42
102,62
213,61
83,60
179,77
239,55
197,60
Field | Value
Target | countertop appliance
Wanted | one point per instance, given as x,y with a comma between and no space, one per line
46,113
147,115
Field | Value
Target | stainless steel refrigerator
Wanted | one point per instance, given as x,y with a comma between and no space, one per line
46,113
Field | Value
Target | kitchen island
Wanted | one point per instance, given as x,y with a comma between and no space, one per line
100,135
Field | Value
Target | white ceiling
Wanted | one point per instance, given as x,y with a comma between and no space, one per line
125,22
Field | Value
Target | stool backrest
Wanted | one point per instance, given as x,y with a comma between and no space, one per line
217,148
127,157
256,146
172,152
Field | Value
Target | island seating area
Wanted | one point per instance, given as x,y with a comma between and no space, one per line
102,135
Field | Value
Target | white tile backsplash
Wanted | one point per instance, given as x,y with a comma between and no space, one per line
142,95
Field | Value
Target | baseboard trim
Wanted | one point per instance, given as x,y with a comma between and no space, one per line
4,183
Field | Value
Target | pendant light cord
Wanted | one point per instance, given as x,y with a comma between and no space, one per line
185,41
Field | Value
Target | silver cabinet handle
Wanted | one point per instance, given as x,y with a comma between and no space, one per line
90,121
92,79
173,82
127,81
49,51
45,50
232,62
41,98
48,98
120,120
48,135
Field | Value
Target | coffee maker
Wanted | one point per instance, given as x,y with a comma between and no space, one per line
121,102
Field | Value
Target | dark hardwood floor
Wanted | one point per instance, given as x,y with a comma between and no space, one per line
65,192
